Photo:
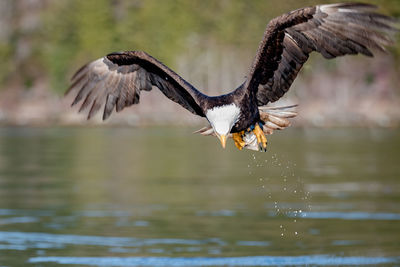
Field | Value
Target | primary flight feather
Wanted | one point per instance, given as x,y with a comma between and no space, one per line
116,80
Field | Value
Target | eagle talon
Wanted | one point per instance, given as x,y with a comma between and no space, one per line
261,148
238,138
261,139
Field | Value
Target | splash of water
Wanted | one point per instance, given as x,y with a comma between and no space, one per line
290,185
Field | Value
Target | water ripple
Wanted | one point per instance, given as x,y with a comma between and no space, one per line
218,261
253,243
12,220
60,239
357,215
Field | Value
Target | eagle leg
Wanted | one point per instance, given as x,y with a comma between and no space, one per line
261,139
238,138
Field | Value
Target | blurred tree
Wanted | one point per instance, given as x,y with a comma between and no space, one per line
73,32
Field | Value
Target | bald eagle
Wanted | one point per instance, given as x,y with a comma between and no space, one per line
116,80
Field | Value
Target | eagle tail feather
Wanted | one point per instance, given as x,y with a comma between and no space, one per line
276,118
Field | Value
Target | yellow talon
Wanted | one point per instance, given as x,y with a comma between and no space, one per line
237,137
261,139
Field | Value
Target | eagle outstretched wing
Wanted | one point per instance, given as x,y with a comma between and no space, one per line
117,79
332,30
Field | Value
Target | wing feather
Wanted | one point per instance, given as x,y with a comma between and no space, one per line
88,99
117,79
332,30
109,106
108,82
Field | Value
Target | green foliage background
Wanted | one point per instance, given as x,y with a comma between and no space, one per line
72,32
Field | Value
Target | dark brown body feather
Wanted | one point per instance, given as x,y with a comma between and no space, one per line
117,79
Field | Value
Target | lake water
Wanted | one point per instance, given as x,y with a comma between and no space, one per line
166,197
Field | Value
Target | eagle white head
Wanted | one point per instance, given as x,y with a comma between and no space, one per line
222,119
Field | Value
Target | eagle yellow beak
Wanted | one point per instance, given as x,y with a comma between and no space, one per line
222,138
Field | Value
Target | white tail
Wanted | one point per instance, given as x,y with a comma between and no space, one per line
276,118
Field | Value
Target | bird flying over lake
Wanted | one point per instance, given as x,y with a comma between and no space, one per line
116,80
